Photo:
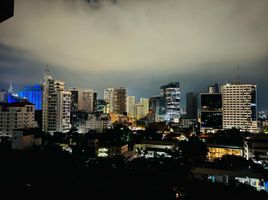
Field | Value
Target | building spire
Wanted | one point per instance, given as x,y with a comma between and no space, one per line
46,74
10,90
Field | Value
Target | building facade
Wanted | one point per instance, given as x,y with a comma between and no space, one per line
171,95
191,105
33,94
131,106
239,106
156,109
210,112
16,116
116,99
56,106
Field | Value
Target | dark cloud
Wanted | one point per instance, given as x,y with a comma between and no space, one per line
137,44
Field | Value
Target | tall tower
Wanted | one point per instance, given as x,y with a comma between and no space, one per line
131,105
211,110
56,106
171,95
239,104
116,100
191,105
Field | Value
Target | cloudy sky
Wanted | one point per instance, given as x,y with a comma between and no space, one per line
138,44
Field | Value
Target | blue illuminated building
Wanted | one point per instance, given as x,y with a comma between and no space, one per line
34,94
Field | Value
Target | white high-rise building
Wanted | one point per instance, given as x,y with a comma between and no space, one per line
131,106
16,116
239,106
56,106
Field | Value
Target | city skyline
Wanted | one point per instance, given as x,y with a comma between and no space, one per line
131,45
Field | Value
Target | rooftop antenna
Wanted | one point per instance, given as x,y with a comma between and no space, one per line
10,90
47,69
238,75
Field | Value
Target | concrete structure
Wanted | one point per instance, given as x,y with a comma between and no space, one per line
155,148
98,122
33,94
145,103
171,95
116,100
239,106
256,148
210,112
26,138
191,105
139,111
217,151
3,95
109,151
131,106
156,109
89,101
76,99
56,106
16,116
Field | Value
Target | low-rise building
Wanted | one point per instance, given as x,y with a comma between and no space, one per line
16,116
216,151
26,138
256,147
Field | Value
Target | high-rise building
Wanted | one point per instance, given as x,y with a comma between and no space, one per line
131,105
108,98
139,111
116,100
56,106
6,9
171,95
214,88
33,94
101,105
16,116
3,95
157,109
191,105
76,99
239,106
119,100
89,101
211,112
145,103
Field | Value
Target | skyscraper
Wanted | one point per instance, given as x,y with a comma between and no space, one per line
116,100
108,98
145,103
191,105
211,111
239,104
76,99
33,94
171,95
156,109
56,106
89,101
131,105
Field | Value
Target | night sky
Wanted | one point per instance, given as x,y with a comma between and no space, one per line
138,44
